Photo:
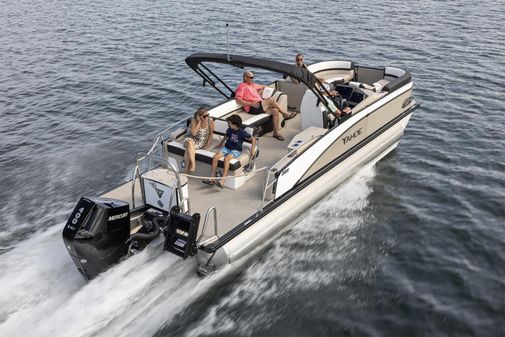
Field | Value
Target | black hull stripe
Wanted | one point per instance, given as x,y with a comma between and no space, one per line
297,188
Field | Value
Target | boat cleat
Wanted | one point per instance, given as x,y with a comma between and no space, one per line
205,270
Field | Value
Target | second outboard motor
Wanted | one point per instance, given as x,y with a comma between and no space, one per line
96,235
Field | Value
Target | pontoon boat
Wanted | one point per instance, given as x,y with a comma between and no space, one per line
266,190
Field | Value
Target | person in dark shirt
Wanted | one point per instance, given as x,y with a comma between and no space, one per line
299,62
234,138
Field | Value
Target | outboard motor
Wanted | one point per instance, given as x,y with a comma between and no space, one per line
97,233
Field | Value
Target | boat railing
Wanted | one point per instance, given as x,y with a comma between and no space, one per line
188,209
165,134
216,234
154,161
136,174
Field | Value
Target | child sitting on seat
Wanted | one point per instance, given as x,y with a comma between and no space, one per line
234,138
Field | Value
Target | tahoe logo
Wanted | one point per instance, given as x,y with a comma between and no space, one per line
407,101
353,135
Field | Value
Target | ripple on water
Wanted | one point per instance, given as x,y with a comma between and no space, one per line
420,250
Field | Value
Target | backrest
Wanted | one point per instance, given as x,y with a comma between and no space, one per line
280,97
332,70
391,73
328,65
221,125
369,75
294,91
311,112
225,108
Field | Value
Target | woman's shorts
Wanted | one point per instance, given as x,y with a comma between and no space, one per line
226,151
198,145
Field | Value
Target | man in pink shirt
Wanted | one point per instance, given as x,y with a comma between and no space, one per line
248,95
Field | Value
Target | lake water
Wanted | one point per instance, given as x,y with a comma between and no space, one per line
414,246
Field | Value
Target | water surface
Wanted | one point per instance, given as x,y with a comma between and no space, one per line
412,247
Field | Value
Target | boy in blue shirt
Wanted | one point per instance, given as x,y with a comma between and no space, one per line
234,138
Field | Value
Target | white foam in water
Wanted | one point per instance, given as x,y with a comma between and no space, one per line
42,293
340,211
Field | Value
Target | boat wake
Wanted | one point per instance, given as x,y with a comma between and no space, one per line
322,248
42,294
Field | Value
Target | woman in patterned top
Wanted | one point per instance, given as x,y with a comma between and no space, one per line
199,136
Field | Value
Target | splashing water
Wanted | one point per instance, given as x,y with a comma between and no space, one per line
43,294
296,262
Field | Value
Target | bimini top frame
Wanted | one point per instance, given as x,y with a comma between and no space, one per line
195,62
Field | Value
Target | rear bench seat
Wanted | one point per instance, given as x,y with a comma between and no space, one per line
175,149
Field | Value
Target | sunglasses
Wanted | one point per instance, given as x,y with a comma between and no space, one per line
251,77
299,59
205,116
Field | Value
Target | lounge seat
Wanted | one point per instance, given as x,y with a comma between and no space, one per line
262,122
206,155
371,99
175,149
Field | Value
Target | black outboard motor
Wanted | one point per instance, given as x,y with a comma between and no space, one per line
97,233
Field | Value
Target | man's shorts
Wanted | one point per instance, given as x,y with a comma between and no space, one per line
226,151
256,111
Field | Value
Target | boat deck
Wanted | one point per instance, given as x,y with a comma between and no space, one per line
234,206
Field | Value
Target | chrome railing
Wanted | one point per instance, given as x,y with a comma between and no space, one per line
165,134
186,199
216,234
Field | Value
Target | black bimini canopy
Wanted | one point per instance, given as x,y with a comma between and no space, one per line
196,62
302,75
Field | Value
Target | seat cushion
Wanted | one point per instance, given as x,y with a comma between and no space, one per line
262,122
206,155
